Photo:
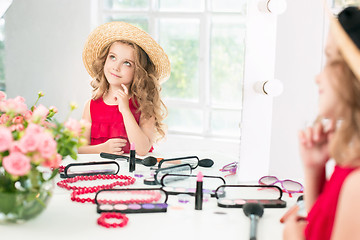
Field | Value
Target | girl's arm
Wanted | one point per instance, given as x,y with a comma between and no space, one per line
87,117
347,218
314,183
313,143
315,153
114,145
294,228
142,134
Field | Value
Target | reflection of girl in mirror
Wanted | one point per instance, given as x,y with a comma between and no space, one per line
333,205
127,67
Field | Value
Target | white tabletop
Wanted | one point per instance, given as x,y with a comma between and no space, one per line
64,219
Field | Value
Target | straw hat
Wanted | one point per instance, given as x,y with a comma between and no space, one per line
346,31
113,31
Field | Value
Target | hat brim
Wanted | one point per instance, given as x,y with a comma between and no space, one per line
347,47
115,31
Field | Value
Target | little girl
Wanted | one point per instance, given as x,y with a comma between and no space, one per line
333,205
127,67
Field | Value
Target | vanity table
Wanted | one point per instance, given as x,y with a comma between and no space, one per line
65,219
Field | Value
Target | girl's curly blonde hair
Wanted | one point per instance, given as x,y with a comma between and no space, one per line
345,145
144,90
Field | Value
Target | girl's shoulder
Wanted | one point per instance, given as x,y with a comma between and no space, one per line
87,104
354,177
351,184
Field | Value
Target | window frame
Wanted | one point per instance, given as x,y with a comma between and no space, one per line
2,29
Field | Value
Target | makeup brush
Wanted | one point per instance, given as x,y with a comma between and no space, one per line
254,211
148,161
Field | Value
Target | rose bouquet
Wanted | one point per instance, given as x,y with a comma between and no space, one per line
32,145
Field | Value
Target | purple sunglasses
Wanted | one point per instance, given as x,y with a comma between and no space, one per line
231,168
288,186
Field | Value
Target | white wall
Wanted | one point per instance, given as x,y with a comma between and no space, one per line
299,55
44,42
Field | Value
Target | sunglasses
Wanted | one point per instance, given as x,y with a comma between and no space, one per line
231,168
288,186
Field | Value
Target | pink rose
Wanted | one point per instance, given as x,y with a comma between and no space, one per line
17,164
4,118
2,96
73,126
27,114
34,129
53,162
19,127
18,119
40,113
19,99
85,124
6,139
47,145
15,147
29,142
13,105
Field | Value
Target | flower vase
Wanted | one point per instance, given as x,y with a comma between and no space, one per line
22,205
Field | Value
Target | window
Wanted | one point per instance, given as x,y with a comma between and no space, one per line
205,42
337,5
213,105
2,55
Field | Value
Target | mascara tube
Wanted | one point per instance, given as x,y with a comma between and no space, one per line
199,192
132,160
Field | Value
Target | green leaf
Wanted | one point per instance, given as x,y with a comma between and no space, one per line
53,174
73,155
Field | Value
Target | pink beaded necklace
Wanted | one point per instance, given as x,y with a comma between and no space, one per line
85,190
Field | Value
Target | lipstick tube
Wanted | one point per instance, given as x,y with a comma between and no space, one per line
199,192
298,208
132,160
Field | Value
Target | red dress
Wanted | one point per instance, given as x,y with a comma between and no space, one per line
322,215
107,122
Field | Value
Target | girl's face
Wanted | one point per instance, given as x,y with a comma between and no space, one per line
328,99
332,51
329,104
119,65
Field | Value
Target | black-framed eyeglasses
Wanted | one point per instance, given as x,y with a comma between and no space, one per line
90,168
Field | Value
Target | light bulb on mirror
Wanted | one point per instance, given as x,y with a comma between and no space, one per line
273,87
272,6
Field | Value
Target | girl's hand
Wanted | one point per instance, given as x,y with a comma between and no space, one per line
114,146
314,143
122,98
294,228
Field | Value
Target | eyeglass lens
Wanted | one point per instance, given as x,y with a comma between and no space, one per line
289,185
